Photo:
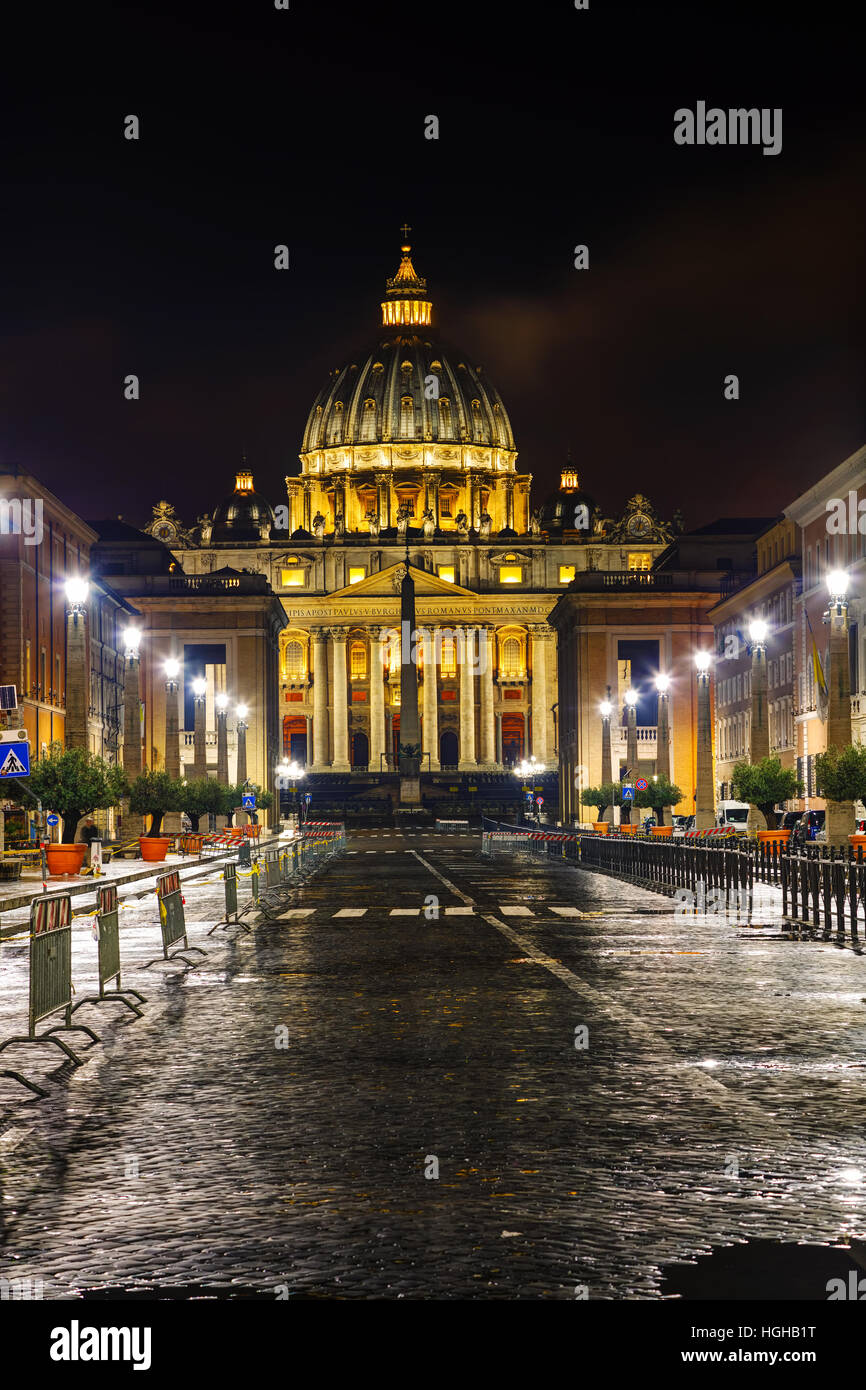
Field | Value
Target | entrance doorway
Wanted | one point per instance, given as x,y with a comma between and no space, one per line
360,750
448,748
513,741
295,739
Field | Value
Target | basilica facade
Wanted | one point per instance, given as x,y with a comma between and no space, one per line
408,459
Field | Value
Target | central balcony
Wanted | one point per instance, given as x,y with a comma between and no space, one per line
647,741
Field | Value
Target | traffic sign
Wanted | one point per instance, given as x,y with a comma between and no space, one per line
627,792
248,801
15,760
52,819
641,784
540,800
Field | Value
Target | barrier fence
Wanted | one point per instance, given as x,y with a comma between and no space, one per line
50,979
107,920
172,920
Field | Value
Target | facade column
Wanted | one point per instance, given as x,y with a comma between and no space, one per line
430,721
377,704
499,739
539,692
308,761
199,763
172,729
340,762
466,756
132,825
485,669
705,801
77,676
509,502
308,505
321,759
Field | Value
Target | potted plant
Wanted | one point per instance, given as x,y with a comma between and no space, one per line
153,794
410,759
72,783
660,794
608,794
841,777
763,784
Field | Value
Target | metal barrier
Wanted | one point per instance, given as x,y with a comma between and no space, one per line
272,867
50,979
300,859
172,920
232,919
108,947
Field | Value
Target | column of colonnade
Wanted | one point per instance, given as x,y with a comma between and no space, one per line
430,706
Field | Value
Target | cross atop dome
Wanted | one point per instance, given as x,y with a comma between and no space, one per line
406,292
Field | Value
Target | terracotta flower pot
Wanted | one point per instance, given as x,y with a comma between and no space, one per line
600,827
777,837
154,848
662,832
628,830
64,859
856,840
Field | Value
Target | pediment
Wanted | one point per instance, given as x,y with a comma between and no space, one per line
386,584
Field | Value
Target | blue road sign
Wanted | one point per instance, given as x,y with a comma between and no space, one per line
627,793
248,801
14,759
308,796
52,819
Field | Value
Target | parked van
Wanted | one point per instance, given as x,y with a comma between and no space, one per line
733,815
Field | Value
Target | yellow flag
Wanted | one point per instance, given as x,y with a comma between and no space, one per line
818,669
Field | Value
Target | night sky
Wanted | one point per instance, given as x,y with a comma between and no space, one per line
307,127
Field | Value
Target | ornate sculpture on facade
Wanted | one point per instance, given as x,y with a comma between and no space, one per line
535,521
319,526
485,521
639,522
374,524
404,516
461,521
429,523
166,526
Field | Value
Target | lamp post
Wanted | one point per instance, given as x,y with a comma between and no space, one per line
840,814
663,737
77,675
630,748
526,768
606,710
241,711
132,825
704,791
759,740
221,702
199,759
289,773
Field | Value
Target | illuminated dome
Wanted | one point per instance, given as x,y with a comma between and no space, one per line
407,388
244,515
559,510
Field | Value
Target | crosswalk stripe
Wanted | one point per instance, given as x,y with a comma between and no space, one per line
404,912
460,912
514,910
567,911
350,912
296,912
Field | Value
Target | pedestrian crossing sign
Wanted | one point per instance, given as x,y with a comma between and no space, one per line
627,792
15,760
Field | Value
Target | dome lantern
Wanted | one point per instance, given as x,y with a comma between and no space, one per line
406,302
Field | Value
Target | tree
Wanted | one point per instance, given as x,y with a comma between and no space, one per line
202,796
154,793
764,784
71,782
608,794
841,779
659,794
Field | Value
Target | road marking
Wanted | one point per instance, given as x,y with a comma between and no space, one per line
369,851
567,911
693,1074
404,912
296,912
460,912
511,910
350,912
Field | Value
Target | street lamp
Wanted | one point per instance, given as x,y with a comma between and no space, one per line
605,709
77,591
758,632
837,583
631,697
663,684
172,670
241,712
131,642
199,688
702,661
840,814
221,701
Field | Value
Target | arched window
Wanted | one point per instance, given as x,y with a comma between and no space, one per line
358,661
477,420
294,660
510,659
449,655
407,418
335,432
446,428
368,421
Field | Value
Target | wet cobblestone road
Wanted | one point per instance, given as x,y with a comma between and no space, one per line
721,1096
